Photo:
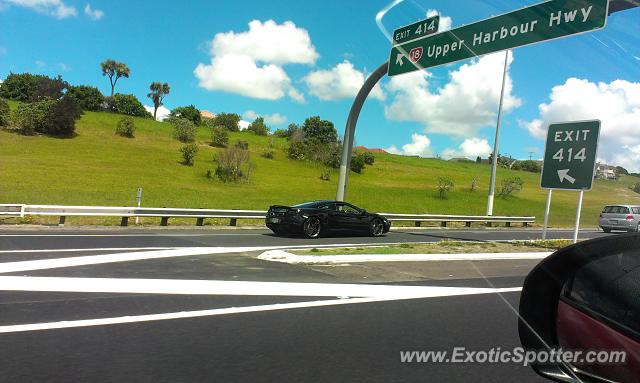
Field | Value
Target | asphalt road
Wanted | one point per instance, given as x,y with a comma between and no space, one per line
54,238
111,306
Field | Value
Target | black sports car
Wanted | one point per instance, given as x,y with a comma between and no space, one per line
313,219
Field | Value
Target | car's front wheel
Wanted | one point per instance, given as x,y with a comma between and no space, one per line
312,227
376,228
606,230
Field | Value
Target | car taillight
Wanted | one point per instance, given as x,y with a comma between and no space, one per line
629,217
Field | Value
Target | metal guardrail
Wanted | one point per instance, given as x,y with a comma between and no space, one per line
18,210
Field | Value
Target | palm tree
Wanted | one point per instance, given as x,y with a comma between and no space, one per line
157,94
114,70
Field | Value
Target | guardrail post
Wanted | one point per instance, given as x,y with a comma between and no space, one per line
443,224
489,224
124,221
233,222
61,221
525,224
418,223
467,224
200,221
164,221
507,224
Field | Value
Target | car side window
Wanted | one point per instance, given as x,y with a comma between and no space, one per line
347,209
609,288
636,210
623,210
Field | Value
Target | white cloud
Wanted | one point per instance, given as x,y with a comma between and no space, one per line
55,8
240,74
269,119
63,67
341,81
470,148
40,63
445,21
162,112
420,146
242,124
94,14
251,63
468,102
268,42
616,104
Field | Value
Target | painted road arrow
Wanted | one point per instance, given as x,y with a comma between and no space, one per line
399,59
564,175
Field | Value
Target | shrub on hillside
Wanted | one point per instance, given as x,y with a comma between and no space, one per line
32,87
228,120
320,130
126,127
527,166
357,163
219,137
126,104
241,144
4,112
445,185
51,117
190,113
184,130
87,97
635,187
282,133
268,154
189,152
61,121
296,150
326,175
258,127
510,186
474,184
234,165
369,158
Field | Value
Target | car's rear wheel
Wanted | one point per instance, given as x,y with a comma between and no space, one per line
376,228
606,230
312,227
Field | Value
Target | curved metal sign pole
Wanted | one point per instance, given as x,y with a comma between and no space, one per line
350,129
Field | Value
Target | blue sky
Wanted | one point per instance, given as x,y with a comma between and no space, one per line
166,40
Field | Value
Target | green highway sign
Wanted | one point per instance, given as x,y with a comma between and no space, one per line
416,30
545,21
570,155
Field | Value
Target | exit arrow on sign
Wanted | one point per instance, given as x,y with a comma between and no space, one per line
564,175
399,59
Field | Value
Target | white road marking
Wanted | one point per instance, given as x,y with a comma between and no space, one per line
283,256
89,250
206,287
41,264
364,294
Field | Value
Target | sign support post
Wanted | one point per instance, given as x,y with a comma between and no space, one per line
546,214
578,212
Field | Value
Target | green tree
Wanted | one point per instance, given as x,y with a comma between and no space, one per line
87,97
229,121
126,104
114,70
258,127
445,184
320,130
157,95
126,127
188,152
219,137
189,112
184,130
4,112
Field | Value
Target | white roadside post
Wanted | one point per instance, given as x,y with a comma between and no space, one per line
578,212
546,214
138,199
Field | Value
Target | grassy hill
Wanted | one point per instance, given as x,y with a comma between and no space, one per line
98,167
